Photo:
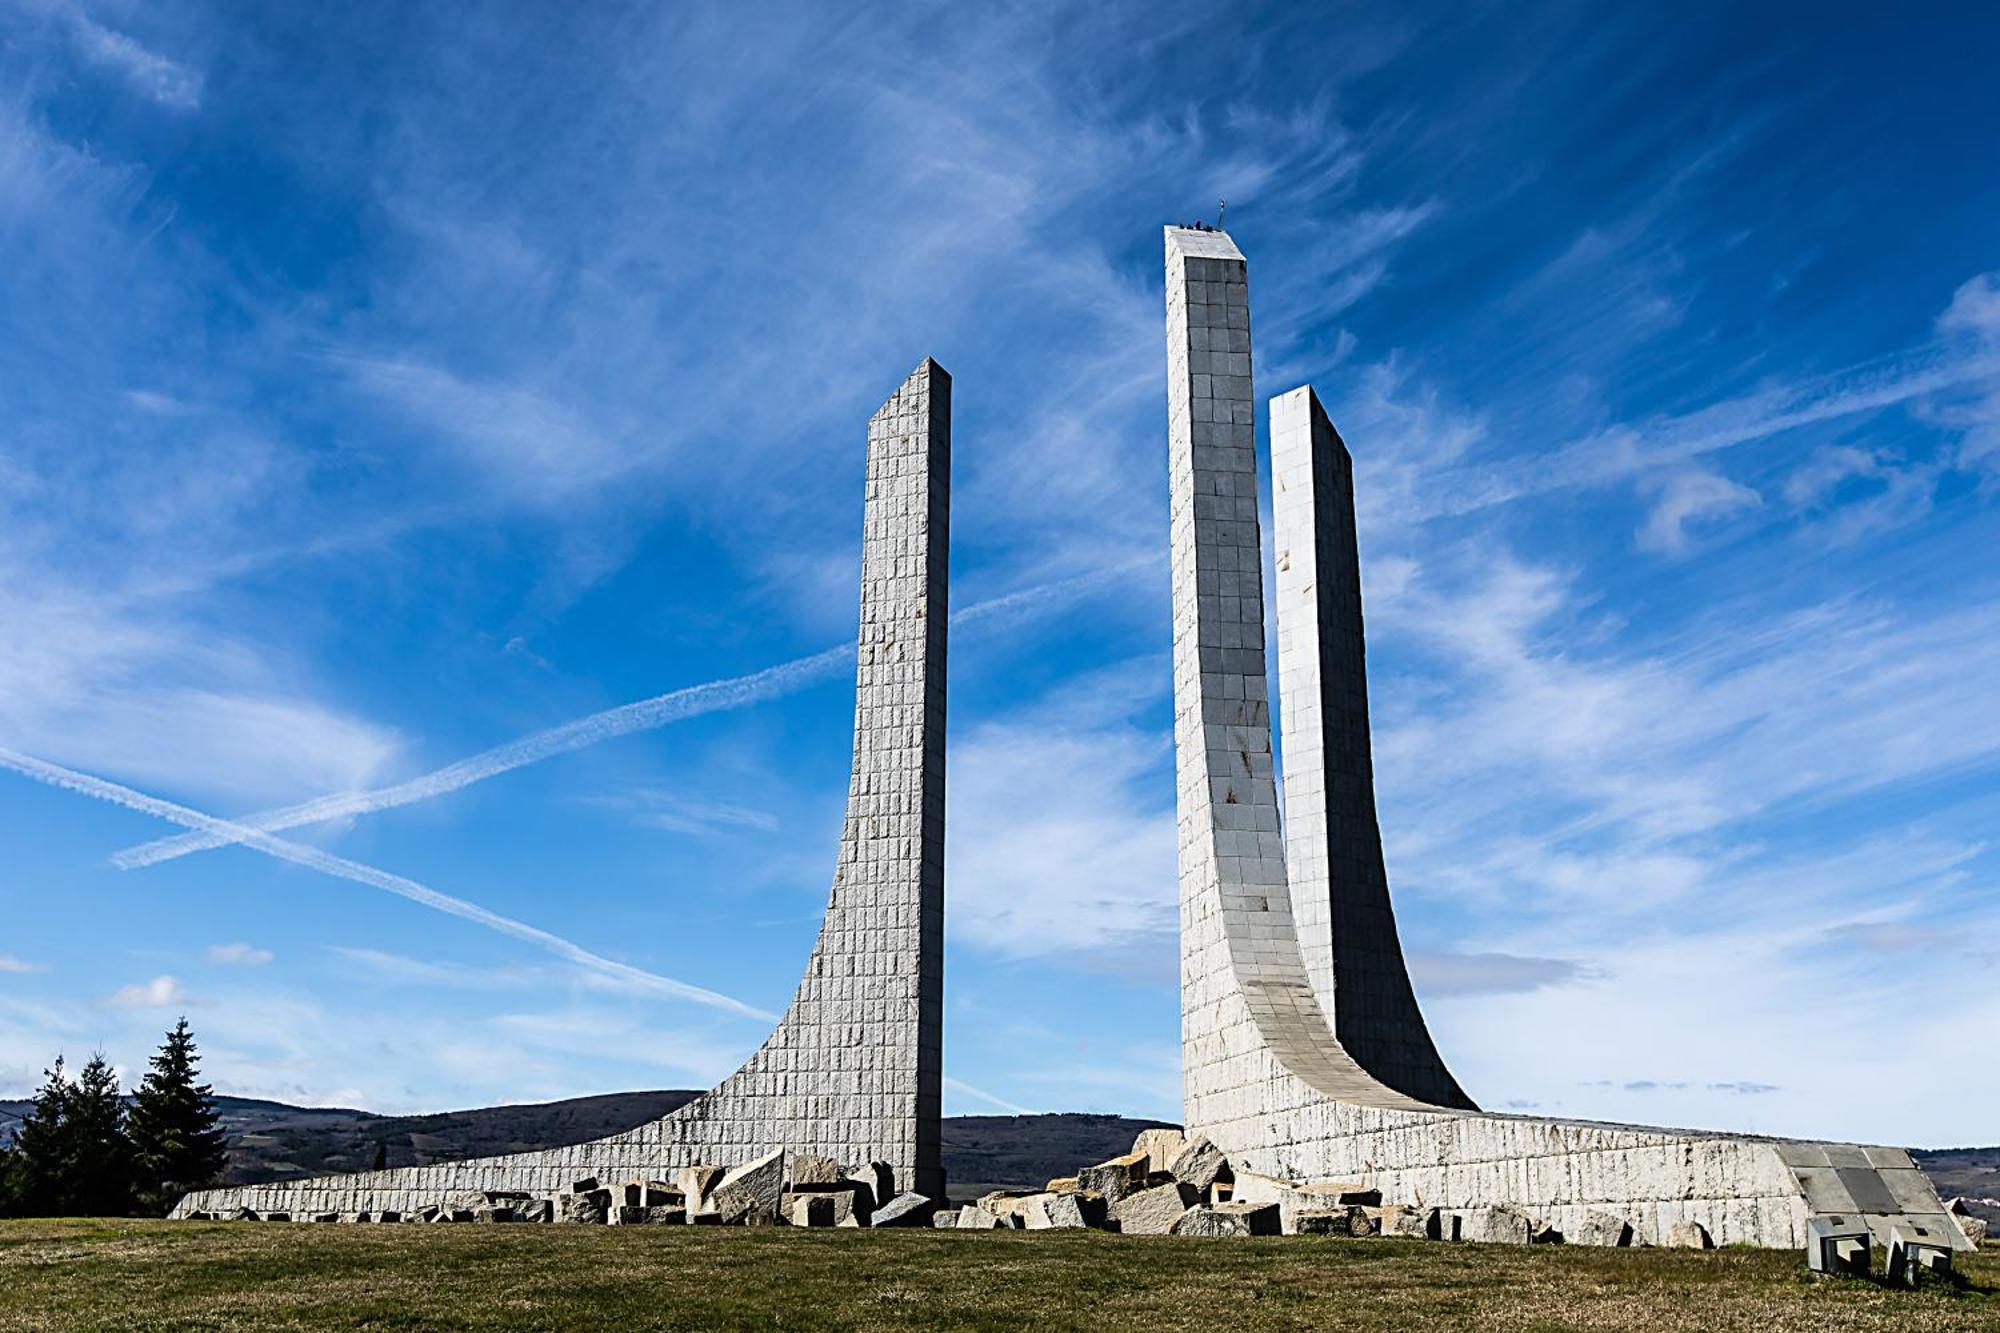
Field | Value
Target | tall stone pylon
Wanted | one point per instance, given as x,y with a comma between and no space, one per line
1303,1053
1333,842
854,1069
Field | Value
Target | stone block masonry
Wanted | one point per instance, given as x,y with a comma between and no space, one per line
1303,1053
854,1070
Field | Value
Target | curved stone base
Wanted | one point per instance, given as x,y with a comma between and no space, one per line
1741,1190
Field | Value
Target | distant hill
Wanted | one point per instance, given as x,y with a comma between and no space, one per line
274,1141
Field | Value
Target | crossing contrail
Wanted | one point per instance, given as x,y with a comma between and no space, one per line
646,715
960,1085
84,784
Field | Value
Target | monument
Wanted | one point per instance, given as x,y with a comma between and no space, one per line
853,1072
1303,1053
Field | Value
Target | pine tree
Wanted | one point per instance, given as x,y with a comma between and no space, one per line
177,1137
102,1164
42,1154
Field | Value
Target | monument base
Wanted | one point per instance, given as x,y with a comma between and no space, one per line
1740,1189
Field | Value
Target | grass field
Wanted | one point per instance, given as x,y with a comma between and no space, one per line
144,1275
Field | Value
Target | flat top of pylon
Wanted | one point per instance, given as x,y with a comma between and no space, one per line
1201,243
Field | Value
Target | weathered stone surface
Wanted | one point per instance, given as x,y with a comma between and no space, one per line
1601,1228
972,1217
904,1210
1153,1212
1059,1212
588,1208
808,1169
1160,1147
1415,1223
1061,1185
1199,1164
1324,1223
880,1180
748,1195
1498,1225
641,1193
696,1183
1116,1178
1972,1224
1688,1236
809,1210
666,1215
1229,1219
945,1219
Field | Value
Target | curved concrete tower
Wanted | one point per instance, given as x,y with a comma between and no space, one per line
854,1069
1303,1051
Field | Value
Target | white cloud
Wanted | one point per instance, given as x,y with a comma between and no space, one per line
1691,499
1059,845
238,955
159,993
9,963
151,74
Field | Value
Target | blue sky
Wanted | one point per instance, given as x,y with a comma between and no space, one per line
381,384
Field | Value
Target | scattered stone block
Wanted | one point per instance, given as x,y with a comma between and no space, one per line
587,1185
944,1219
972,1217
1316,1224
807,1169
1502,1224
1230,1219
696,1184
1063,1212
1973,1225
1160,1147
878,1179
1200,1164
1408,1223
810,1210
534,1210
1116,1178
1061,1185
1605,1229
1153,1212
749,1194
642,1193
628,1215
1688,1236
587,1209
491,1214
904,1210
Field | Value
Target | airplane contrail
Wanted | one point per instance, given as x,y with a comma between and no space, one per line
85,784
645,715
960,1085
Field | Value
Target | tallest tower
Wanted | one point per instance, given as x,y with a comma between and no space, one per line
1257,1035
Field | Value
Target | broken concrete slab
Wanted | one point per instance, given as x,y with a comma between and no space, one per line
1116,1178
1153,1212
1229,1219
1497,1225
749,1194
1602,1228
1160,1147
809,1169
1688,1236
1200,1164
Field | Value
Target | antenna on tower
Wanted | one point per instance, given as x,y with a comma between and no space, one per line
1221,207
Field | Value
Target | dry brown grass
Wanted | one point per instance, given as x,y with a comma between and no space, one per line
140,1275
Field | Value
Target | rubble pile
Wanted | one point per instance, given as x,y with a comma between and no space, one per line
777,1189
1169,1185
